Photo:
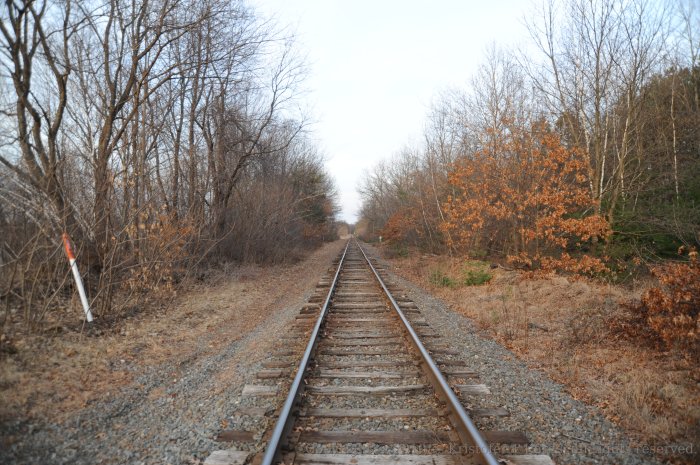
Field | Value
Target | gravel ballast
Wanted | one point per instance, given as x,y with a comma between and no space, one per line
179,427
557,425
172,413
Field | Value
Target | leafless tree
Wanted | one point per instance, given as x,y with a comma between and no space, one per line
142,128
36,65
597,54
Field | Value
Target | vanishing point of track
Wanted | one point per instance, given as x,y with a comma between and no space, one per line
368,390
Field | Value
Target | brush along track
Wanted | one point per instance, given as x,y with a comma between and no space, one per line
368,391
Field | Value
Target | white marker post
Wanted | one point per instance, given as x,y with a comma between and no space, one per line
76,275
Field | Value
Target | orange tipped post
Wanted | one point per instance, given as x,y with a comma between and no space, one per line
76,274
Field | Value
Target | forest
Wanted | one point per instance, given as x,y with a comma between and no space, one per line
611,100
169,136
163,136
578,152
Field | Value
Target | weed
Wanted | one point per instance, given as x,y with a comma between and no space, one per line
476,273
399,250
476,277
439,278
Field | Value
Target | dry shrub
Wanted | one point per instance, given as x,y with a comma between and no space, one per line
588,325
159,249
398,227
34,277
669,313
526,196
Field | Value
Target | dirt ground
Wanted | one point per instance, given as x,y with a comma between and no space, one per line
52,376
562,327
554,324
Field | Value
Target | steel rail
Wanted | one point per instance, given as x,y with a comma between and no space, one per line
466,429
285,420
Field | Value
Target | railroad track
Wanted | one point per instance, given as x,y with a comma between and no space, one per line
374,385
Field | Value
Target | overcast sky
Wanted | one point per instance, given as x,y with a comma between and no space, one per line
376,65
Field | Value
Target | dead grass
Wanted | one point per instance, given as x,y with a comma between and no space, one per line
55,374
563,327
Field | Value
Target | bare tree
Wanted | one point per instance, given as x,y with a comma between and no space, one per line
600,57
35,55
149,130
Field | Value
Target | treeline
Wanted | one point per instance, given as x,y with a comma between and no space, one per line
582,155
160,134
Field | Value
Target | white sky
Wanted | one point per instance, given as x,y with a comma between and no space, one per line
375,67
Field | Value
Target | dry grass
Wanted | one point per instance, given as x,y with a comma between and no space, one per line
563,327
53,375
